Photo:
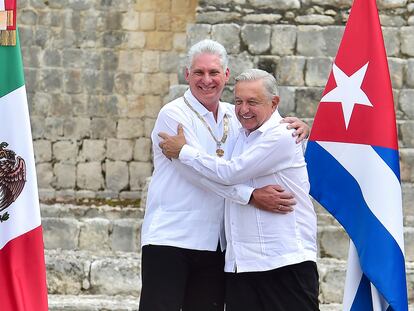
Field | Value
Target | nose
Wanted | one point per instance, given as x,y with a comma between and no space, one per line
206,78
243,108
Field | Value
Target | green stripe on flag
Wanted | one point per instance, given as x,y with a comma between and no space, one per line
11,68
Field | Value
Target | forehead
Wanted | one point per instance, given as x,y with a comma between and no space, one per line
206,61
254,88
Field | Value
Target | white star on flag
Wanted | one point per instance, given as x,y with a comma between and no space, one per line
348,91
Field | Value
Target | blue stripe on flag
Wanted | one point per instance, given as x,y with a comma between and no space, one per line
380,257
363,297
390,157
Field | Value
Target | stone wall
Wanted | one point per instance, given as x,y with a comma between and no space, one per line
297,41
96,74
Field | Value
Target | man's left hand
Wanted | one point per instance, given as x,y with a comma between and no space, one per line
172,145
301,128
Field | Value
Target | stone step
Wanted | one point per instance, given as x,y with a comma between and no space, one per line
92,303
86,273
81,272
93,228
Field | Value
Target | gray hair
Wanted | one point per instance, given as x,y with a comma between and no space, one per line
208,46
269,81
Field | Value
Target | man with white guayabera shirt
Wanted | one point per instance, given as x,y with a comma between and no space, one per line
183,230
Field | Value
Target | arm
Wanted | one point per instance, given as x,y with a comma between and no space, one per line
167,122
272,153
301,128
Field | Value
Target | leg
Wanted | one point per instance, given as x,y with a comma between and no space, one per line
294,287
241,294
164,278
205,288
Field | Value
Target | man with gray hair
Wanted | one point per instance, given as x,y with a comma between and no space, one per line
183,230
270,258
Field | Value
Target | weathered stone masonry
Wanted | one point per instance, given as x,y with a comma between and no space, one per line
98,72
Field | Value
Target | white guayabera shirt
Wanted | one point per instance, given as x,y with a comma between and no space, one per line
258,240
185,209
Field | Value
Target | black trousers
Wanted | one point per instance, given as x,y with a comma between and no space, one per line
289,288
176,279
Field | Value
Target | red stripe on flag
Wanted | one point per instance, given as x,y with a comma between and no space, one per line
22,273
11,5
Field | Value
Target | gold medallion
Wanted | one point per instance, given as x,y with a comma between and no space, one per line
219,152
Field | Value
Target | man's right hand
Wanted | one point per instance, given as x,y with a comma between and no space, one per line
273,199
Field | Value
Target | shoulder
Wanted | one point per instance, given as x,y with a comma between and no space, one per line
282,134
174,109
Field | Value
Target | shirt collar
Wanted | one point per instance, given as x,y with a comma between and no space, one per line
275,118
201,109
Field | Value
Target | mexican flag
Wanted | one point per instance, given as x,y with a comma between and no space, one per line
22,266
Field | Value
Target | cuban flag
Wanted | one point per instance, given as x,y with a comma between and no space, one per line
353,164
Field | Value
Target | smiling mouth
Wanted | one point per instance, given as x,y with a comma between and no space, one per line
207,89
247,117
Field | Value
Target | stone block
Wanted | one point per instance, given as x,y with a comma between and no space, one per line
65,151
315,19
102,128
103,106
332,281
317,71
94,234
407,164
256,38
45,176
307,101
135,39
126,236
123,84
275,4
148,126
406,103
283,40
72,58
138,172
291,71
112,39
228,35
110,60
333,242
180,42
89,176
42,150
409,244
406,132
130,128
310,41
115,276
391,4
161,41
391,40
32,56
60,233
41,104
65,175
410,73
408,202
50,80
52,127
131,20
197,32
287,105
332,37
142,149
119,149
65,273
116,176
150,61
262,18
92,150
130,61
52,58
169,62
217,17
396,67
77,128
238,64
152,105
407,40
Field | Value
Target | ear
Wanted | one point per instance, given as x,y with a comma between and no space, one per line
186,73
275,102
227,74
